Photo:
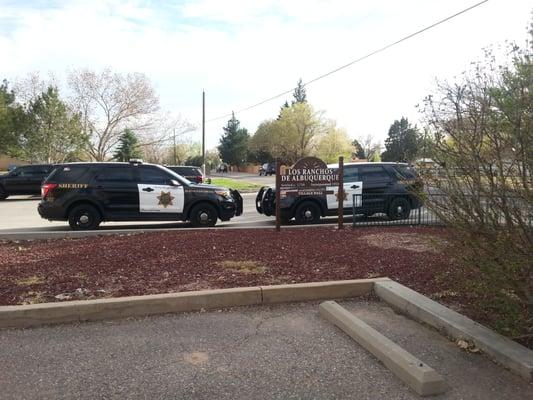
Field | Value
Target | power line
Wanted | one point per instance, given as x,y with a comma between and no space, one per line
355,61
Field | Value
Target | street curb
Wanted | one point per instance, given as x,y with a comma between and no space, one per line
135,306
423,379
504,351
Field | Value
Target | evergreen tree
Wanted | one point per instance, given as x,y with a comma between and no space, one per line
233,146
128,147
12,121
54,133
359,151
299,93
402,145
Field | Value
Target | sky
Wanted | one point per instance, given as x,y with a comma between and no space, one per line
242,52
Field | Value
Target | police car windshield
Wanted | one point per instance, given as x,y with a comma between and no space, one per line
179,178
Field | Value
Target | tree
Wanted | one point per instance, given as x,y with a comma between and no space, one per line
482,128
128,147
333,144
359,152
109,102
367,147
402,144
12,121
233,146
54,133
299,93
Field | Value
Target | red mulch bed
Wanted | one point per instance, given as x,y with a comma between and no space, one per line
159,262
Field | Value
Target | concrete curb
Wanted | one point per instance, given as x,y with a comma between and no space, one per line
135,306
423,379
504,351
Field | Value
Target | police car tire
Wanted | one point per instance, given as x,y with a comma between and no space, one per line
304,207
196,215
75,215
399,208
3,194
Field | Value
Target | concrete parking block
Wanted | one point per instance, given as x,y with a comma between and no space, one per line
122,307
318,290
504,351
423,379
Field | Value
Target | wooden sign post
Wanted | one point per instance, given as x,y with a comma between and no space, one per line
340,194
278,195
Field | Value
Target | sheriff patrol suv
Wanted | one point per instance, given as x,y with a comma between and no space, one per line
388,188
85,194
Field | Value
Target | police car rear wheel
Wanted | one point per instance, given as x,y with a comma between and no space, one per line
399,209
203,215
84,217
307,213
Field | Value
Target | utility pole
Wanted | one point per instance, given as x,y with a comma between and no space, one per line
203,132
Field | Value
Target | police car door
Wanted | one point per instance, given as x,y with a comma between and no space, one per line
352,186
156,193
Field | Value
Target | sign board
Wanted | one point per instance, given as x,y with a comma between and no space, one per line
308,176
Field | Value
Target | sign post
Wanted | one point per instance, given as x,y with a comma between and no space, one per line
341,192
278,195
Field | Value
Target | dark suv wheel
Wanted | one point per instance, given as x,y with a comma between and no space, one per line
203,215
307,212
3,194
84,217
399,208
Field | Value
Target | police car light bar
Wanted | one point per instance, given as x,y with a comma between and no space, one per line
136,161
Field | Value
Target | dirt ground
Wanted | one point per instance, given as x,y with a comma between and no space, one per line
159,262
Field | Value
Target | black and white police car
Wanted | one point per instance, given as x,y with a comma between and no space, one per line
389,188
85,194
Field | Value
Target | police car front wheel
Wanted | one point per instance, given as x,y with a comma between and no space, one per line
203,215
84,217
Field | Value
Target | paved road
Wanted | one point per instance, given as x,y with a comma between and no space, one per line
282,352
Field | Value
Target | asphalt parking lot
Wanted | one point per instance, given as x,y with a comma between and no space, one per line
278,352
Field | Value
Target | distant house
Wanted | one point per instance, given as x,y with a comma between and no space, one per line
6,162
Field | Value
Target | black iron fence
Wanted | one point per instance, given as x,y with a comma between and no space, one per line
371,209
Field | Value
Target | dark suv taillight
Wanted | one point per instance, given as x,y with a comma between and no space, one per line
46,189
199,179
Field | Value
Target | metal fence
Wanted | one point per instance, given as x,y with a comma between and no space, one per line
375,209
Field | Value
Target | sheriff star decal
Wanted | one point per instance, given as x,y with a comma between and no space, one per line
165,199
343,195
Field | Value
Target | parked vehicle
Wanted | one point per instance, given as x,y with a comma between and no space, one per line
388,188
267,169
25,179
85,194
192,173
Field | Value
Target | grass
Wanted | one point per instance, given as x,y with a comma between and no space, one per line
234,184
32,280
244,267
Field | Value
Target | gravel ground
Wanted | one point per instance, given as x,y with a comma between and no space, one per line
159,262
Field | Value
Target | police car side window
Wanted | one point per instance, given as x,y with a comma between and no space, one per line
374,174
115,174
154,176
351,174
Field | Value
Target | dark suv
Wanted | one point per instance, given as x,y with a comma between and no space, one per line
192,173
25,179
389,188
87,193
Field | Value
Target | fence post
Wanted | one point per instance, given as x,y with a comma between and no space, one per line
420,215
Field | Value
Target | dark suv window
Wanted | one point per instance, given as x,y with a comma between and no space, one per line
115,174
69,174
374,173
154,175
186,171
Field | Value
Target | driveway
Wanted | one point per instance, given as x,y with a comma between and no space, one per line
278,352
